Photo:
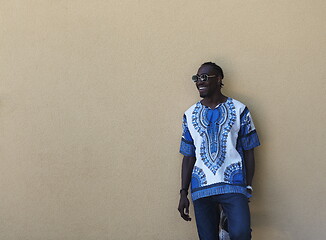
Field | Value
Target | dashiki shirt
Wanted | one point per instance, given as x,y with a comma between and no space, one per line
217,138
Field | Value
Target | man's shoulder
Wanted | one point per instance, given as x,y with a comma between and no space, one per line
238,104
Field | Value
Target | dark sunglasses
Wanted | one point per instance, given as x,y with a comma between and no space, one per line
203,77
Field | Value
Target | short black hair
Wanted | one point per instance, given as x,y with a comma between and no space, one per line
217,68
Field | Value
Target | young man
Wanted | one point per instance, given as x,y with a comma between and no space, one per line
218,144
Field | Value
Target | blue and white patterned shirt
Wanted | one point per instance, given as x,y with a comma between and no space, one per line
217,138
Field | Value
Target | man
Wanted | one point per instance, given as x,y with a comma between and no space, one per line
218,144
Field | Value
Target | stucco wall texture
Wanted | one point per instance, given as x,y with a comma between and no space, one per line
91,101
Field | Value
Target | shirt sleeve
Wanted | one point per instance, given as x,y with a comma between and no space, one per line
247,134
187,147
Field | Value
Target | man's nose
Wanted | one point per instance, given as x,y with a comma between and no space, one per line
200,82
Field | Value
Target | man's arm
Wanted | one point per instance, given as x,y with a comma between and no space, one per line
249,158
186,171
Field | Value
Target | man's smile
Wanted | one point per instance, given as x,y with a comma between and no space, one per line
202,88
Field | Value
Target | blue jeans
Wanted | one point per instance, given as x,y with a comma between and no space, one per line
236,208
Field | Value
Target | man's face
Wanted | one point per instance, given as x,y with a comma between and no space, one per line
210,87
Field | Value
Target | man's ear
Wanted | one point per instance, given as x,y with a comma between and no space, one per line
219,79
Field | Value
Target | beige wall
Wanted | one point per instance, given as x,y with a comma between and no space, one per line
92,96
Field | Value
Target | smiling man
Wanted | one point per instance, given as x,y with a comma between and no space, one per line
218,144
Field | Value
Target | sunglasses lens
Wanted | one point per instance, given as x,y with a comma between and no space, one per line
202,78
195,78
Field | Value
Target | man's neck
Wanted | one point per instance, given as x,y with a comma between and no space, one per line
214,100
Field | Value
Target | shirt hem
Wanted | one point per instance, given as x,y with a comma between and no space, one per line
216,190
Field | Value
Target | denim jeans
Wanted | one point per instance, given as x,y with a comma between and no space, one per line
236,208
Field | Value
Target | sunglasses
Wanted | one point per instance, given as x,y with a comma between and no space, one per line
203,77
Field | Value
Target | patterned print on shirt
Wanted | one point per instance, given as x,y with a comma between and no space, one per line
234,174
198,178
213,125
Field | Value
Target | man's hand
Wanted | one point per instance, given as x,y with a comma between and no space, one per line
188,163
184,207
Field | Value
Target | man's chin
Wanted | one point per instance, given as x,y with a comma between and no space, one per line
202,95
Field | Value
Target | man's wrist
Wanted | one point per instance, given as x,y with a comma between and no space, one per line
183,191
249,187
